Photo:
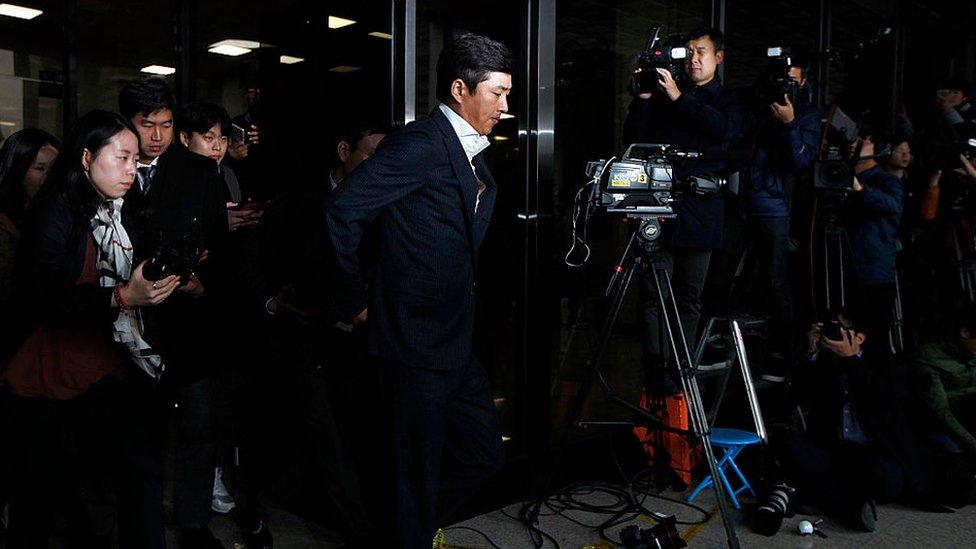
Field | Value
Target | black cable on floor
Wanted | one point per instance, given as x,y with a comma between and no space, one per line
475,530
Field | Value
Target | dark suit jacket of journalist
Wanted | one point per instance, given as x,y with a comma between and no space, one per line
421,190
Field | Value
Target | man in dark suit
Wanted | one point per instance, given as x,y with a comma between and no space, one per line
179,193
432,194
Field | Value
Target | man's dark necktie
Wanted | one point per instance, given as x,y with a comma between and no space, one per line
145,177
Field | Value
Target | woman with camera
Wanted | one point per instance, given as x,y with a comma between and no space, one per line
81,361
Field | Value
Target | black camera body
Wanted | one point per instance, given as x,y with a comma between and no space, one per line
776,82
658,53
664,535
179,255
642,181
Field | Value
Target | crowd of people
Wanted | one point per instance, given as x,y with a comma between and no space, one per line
865,283
143,285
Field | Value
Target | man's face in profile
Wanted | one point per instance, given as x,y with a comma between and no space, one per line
703,60
483,107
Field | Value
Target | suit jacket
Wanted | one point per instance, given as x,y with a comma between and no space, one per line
186,187
420,187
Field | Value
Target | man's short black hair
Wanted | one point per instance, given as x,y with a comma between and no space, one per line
145,97
716,36
470,57
352,131
957,84
200,116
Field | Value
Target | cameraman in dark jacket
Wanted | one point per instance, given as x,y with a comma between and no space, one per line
696,114
875,212
786,140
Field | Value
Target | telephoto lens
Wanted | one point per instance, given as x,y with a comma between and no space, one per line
770,512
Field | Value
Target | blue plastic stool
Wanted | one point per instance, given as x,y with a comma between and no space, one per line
732,441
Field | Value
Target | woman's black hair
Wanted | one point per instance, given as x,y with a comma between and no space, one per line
91,132
200,116
16,157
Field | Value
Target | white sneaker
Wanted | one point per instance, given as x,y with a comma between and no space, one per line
222,501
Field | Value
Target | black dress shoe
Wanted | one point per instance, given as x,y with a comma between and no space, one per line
257,534
199,538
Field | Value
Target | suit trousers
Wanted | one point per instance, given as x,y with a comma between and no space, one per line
446,443
195,454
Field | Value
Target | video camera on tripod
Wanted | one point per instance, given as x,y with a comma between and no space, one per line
643,181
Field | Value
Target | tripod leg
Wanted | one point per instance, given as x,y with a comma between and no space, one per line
696,411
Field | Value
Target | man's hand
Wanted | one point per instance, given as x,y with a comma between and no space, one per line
668,84
967,165
848,345
238,150
644,95
361,317
813,338
253,135
239,219
867,150
783,113
935,178
192,286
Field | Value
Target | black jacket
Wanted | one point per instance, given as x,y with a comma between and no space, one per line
704,119
186,187
50,256
420,187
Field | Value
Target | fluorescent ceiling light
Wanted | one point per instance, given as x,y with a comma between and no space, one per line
232,51
158,69
344,69
500,138
506,116
246,44
20,12
289,60
234,47
7,124
384,35
339,22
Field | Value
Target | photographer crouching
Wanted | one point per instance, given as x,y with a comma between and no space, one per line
785,143
691,110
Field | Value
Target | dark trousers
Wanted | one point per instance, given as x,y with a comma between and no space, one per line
446,443
111,427
836,476
300,439
875,303
195,455
769,239
688,269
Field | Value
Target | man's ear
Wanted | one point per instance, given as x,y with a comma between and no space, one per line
859,337
86,158
459,89
719,57
342,151
185,139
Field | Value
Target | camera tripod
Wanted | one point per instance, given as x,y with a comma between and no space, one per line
643,252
